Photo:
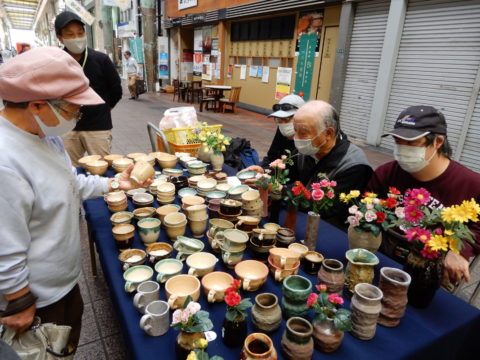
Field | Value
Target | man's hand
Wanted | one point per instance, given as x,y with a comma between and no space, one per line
257,169
21,321
456,267
127,184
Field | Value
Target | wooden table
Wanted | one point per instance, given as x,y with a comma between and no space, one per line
219,89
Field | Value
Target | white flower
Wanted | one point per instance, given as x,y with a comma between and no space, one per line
400,212
353,209
193,307
185,315
376,201
369,206
177,316
359,215
353,221
370,216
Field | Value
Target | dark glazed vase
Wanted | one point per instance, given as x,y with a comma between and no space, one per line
234,332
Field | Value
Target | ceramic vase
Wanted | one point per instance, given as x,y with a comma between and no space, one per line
426,278
204,153
326,336
185,343
264,198
291,217
331,274
360,268
363,240
365,307
266,313
394,285
234,332
311,233
258,346
296,290
297,342
217,160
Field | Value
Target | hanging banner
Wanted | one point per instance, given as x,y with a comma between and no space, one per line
80,11
185,4
136,48
162,45
207,40
309,22
284,79
306,58
207,68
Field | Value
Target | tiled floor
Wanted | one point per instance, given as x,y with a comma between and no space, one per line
101,336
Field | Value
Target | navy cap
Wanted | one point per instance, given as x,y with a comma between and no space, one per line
64,18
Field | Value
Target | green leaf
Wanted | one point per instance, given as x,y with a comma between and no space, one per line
231,315
201,355
187,301
342,322
216,357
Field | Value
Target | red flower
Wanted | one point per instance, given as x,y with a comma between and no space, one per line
233,299
391,203
316,186
335,299
321,288
380,216
236,284
393,190
312,299
297,190
307,194
230,290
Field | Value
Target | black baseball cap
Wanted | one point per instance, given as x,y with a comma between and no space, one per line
64,18
418,121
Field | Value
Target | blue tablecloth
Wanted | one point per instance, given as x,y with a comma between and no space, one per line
448,328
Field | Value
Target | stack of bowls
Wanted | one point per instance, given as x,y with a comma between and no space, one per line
110,158
96,167
252,204
172,172
166,160
180,182
141,200
143,213
283,263
216,195
132,192
223,187
147,158
86,159
121,164
221,177
188,201
154,185
166,193
206,186
133,156
230,210
117,201
121,217
164,210
175,225
193,180
184,160
236,192
187,192
214,208
198,219
197,167
186,246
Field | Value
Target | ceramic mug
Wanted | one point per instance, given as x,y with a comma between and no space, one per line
231,258
156,320
141,172
197,212
159,251
312,262
149,230
235,240
247,223
264,236
135,276
298,248
168,268
147,292
201,263
198,226
214,285
285,237
283,258
179,287
280,273
174,231
219,225
132,257
252,273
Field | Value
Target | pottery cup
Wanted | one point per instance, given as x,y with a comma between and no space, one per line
123,235
312,262
149,230
147,292
179,287
168,268
198,226
247,223
231,258
122,217
144,212
265,237
164,210
159,251
285,237
280,273
156,320
235,240
252,273
142,171
214,285
298,248
201,263
132,257
135,276
283,258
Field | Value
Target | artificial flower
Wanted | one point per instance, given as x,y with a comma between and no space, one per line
312,299
353,221
233,299
411,233
413,214
193,307
393,190
400,212
423,235
321,287
317,194
391,203
335,299
370,216
201,344
177,316
353,209
380,216
192,356
438,242
330,194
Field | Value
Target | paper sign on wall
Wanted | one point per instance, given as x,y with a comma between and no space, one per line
230,71
284,79
253,71
260,71
265,73
243,72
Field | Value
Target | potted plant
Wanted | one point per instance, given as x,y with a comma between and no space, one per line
192,322
263,183
280,173
199,353
297,198
432,233
330,320
234,329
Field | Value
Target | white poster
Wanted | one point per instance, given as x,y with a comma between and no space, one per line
253,71
185,4
197,39
243,72
265,73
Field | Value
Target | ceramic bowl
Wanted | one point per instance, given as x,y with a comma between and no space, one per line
86,159
187,246
142,199
206,185
116,198
279,273
132,192
143,212
166,189
167,269
230,207
231,218
187,192
158,251
132,257
162,211
215,195
245,175
121,217
118,208
283,258
147,158
237,191
179,287
196,212
188,201
250,196
122,164
201,263
224,187
214,285
298,248
252,273
174,219
193,180
184,160
285,237
271,226
97,167
133,156
166,160
172,172
180,182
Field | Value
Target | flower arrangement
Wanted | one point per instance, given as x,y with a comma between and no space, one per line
191,318
236,306
211,140
323,193
299,196
279,170
326,306
434,232
199,353
370,213
262,181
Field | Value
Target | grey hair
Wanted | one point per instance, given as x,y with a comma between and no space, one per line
327,112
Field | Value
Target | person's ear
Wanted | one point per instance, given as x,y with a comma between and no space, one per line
59,37
35,106
439,141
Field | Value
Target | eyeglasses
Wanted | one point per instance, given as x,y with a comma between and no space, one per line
73,115
284,107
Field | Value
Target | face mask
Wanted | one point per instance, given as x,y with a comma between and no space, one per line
76,46
287,129
62,128
411,158
305,147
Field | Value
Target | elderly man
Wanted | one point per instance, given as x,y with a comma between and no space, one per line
40,264
422,159
283,115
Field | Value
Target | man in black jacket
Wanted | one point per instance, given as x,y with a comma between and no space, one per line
93,133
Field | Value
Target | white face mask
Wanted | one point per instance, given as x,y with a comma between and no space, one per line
411,158
287,129
77,45
305,147
62,128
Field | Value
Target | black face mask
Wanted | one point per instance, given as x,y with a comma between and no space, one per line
284,107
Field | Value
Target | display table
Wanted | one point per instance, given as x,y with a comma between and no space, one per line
448,328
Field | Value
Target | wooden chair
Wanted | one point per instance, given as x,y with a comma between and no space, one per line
231,100
208,98
195,92
178,90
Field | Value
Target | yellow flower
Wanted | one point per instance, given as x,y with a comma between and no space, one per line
204,123
460,214
192,356
371,195
202,138
367,200
226,142
201,344
438,242
448,232
447,214
472,208
355,193
453,244
221,136
343,197
209,133
224,148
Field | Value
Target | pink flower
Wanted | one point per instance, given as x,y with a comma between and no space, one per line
312,299
411,234
275,163
317,194
324,183
370,216
359,215
438,231
316,186
185,315
177,316
353,221
330,194
281,166
400,212
193,307
429,254
369,206
353,209
413,214
321,288
421,195
376,201
423,235
335,299
333,183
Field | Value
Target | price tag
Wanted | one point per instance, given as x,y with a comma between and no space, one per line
210,335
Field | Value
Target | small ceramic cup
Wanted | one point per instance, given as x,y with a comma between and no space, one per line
201,263
156,320
285,237
280,273
231,258
135,276
132,257
198,226
149,230
235,240
298,248
252,273
167,269
147,292
142,171
312,262
123,235
122,217
283,258
179,287
164,210
196,212
158,251
174,231
214,285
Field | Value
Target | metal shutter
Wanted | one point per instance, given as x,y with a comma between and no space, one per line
363,60
437,62
470,154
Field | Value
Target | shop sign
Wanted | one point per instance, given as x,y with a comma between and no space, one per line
306,58
176,21
80,11
125,30
198,18
185,4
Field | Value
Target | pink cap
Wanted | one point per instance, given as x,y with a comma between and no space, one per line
46,73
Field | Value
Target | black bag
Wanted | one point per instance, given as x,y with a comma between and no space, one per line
141,87
239,154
